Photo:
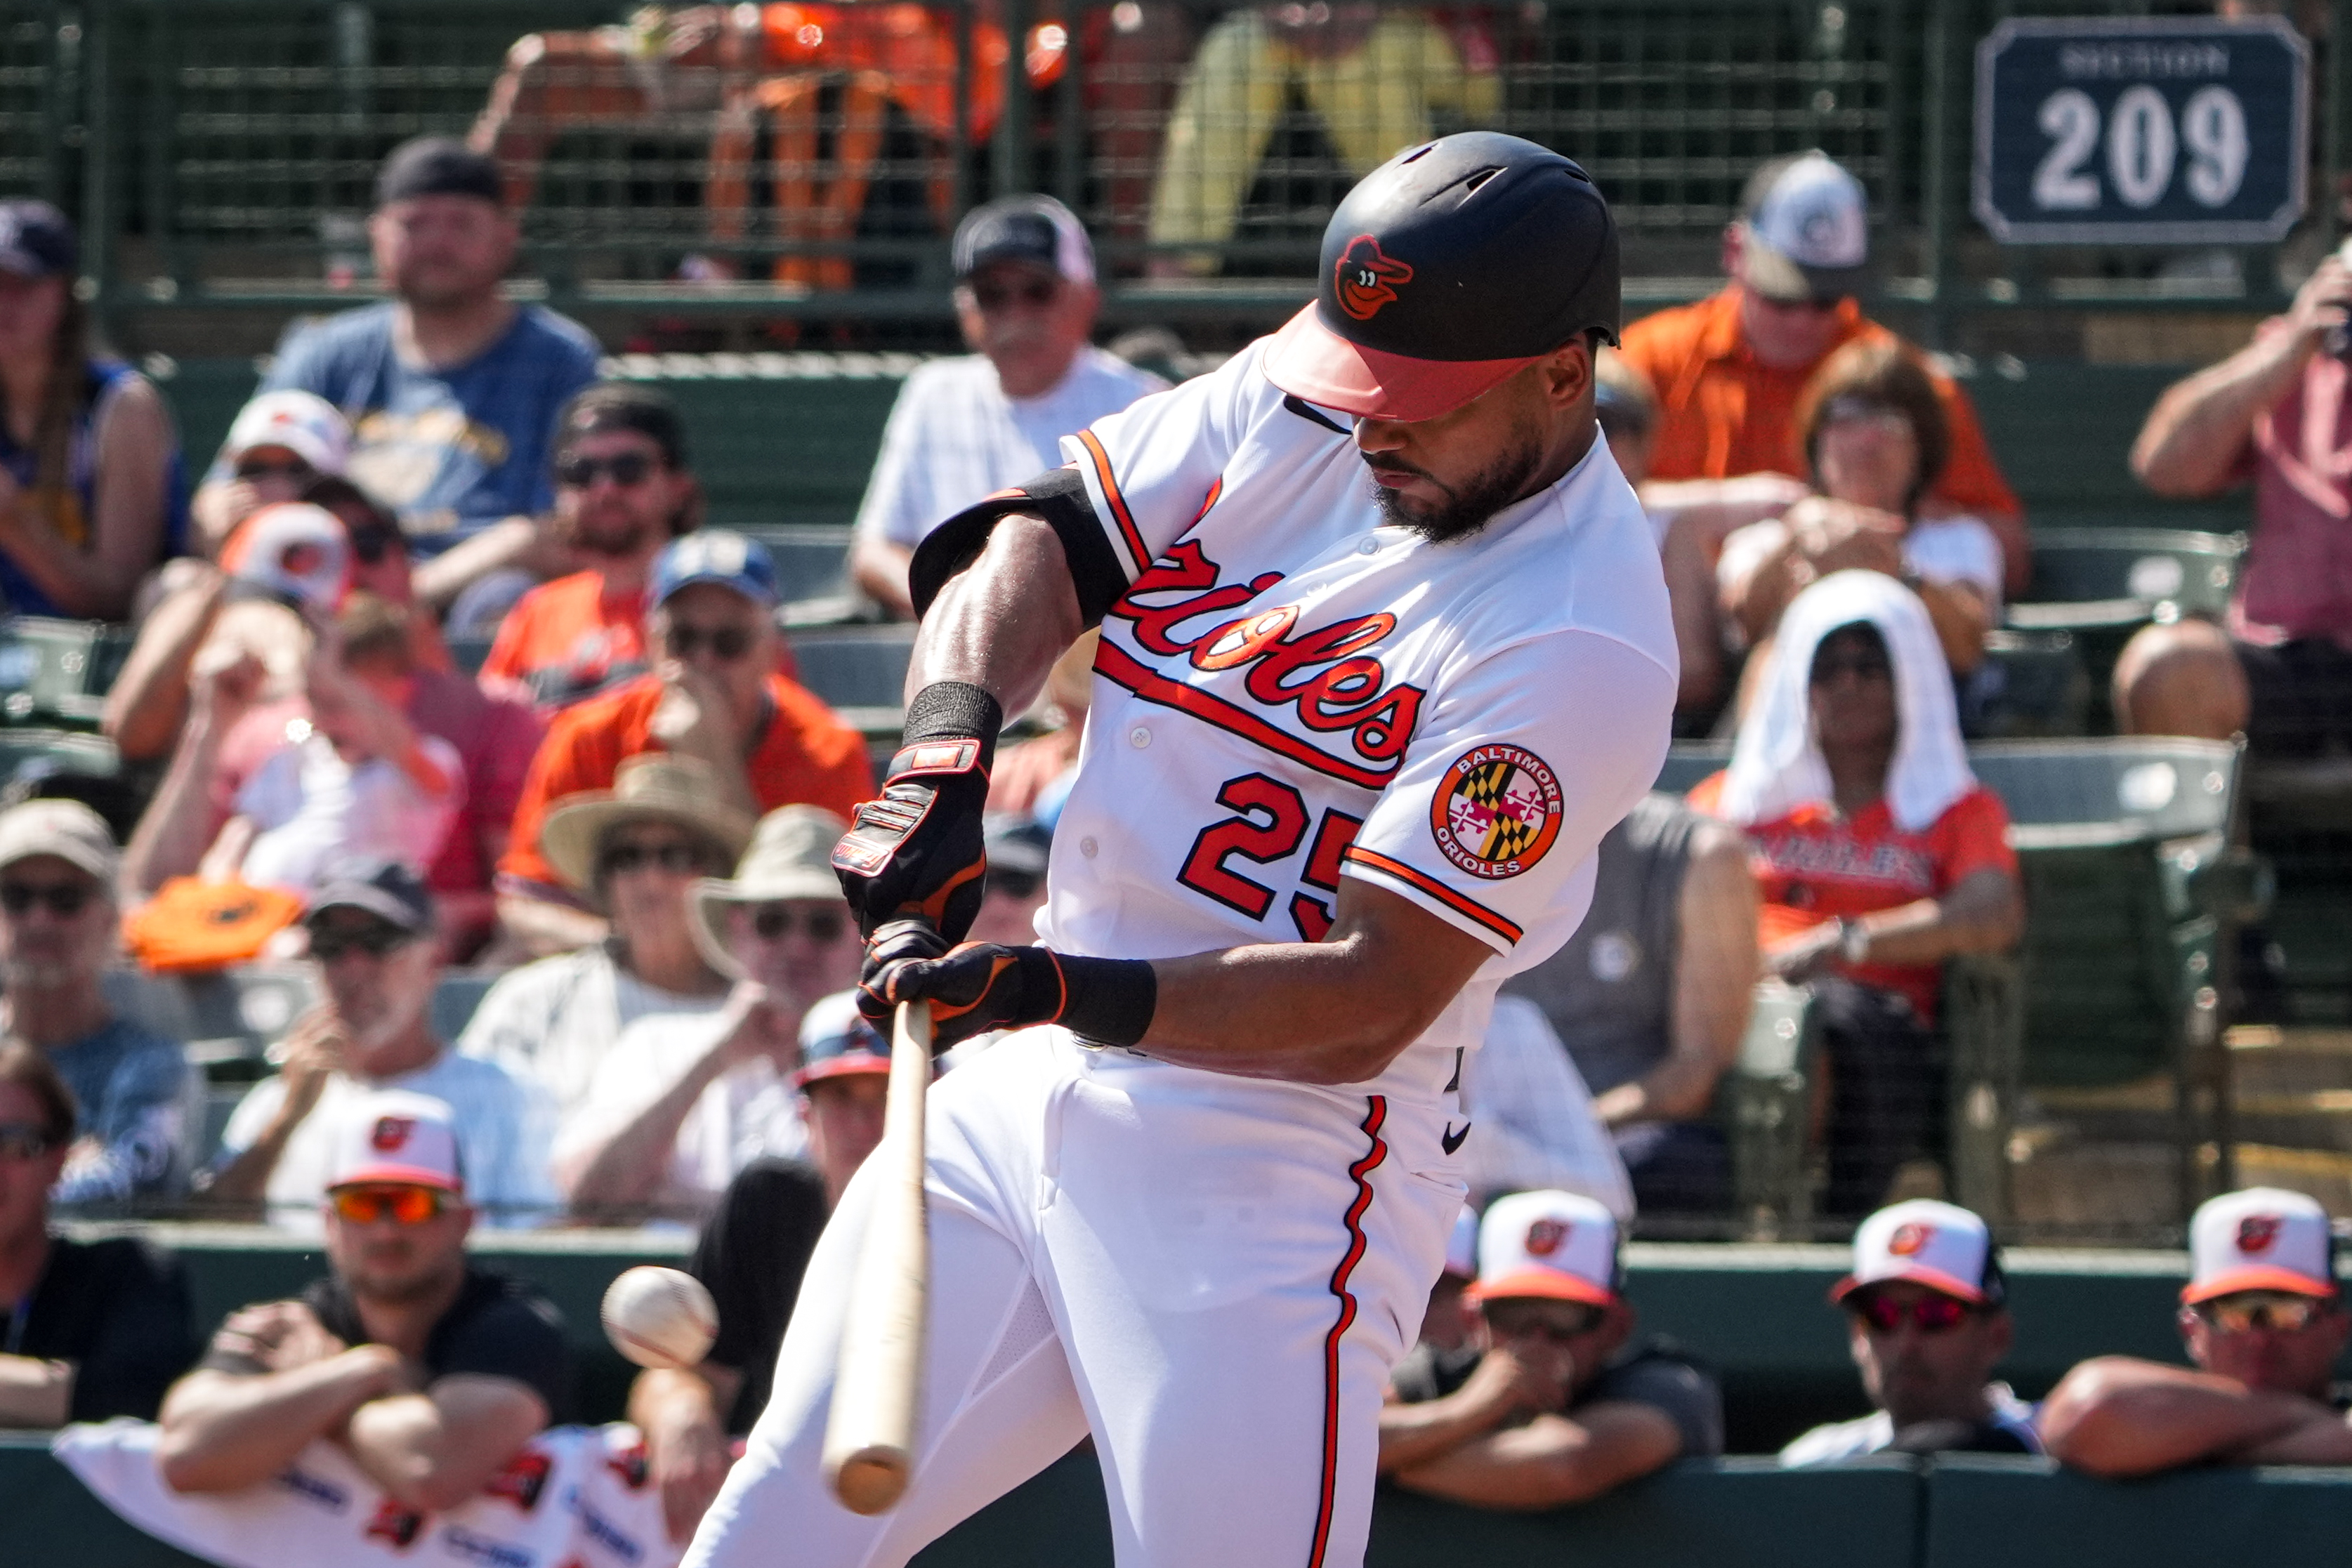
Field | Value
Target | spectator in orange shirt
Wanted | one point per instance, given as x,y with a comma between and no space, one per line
1730,367
622,491
1878,852
713,694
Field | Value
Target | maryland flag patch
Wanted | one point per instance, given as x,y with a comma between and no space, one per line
1497,810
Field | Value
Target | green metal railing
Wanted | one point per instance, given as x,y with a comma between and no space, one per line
221,152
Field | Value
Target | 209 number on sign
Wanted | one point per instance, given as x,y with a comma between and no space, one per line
2142,148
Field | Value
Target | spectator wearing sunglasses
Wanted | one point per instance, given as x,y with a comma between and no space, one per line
632,852
2263,1319
88,1330
680,1105
371,927
128,1138
622,491
967,427
1550,1402
279,442
714,695
753,1250
1728,369
429,1371
1927,1320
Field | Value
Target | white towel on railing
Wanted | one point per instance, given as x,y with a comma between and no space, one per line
1776,762
573,1495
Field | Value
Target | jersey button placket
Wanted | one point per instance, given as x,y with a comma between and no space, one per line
1138,738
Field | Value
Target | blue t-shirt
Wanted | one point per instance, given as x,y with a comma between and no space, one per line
74,511
452,449
132,1087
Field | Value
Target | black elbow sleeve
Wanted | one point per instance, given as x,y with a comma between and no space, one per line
1060,497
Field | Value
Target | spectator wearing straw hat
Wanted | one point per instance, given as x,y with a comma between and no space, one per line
678,1106
2263,1318
1551,1403
1927,1320
714,695
634,851
372,933
753,1250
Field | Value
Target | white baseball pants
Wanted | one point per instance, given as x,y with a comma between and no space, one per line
1212,1274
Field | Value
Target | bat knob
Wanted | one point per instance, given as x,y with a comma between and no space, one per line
871,1480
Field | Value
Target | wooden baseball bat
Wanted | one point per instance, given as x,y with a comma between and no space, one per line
869,1438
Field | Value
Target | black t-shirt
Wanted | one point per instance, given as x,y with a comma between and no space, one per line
752,1253
497,1327
1653,1373
119,1311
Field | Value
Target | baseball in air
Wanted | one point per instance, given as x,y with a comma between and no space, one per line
660,1318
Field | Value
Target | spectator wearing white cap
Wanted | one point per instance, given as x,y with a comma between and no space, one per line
681,1104
59,920
279,442
1927,1321
370,926
429,1371
964,428
2264,1321
1553,1403
752,1253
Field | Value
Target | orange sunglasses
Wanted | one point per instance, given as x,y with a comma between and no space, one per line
407,1205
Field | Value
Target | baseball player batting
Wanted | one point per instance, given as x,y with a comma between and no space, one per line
1385,651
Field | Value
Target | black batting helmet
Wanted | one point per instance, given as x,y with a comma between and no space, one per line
1447,268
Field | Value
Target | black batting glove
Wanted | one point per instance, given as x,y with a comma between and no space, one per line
976,988
982,987
918,852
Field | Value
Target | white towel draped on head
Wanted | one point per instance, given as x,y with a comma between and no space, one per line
1776,763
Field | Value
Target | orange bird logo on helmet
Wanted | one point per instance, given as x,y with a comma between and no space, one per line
1368,278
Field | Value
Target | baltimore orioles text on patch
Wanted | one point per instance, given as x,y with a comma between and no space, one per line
1497,810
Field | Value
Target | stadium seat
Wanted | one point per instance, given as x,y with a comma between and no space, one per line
2105,578
56,673
1764,1107
861,671
2031,683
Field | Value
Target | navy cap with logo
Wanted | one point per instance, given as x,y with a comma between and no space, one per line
717,556
1447,269
36,240
436,166
1035,229
837,1042
385,889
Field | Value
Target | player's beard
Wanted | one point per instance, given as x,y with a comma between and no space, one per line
1469,505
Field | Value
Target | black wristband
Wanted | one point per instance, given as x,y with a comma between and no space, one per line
1107,1000
953,710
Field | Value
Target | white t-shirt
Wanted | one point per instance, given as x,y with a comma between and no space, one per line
1531,1121
1937,549
749,1110
312,808
1869,1434
953,437
552,1023
504,1131
1289,690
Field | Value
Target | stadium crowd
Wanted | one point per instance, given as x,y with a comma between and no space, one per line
626,817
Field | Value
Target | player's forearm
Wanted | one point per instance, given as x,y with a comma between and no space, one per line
35,1392
2120,1417
223,1432
1001,623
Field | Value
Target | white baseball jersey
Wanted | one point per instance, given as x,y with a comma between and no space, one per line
1212,1274
1290,691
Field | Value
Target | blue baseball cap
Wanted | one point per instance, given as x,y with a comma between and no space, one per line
36,240
837,1042
716,555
